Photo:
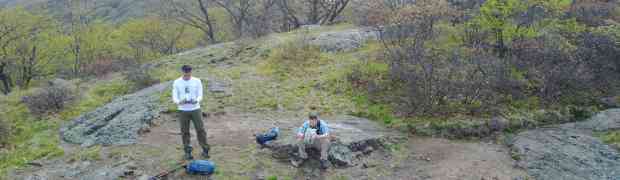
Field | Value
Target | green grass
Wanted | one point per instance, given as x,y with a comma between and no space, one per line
34,138
88,154
379,112
612,137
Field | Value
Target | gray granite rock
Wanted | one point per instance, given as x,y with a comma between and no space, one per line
118,122
569,151
344,40
349,134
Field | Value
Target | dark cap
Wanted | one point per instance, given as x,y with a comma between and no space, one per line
186,68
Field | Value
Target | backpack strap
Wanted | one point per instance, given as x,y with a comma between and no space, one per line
318,128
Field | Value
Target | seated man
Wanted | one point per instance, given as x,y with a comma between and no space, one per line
314,133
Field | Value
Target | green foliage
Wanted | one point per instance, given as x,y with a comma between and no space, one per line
30,44
152,37
96,96
34,138
272,178
140,78
379,112
612,137
166,100
496,16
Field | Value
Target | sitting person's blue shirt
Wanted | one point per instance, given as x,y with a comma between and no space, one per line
323,128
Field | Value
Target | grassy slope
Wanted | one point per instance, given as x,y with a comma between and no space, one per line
260,83
37,138
259,87
255,87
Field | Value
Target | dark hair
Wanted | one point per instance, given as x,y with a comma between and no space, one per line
313,115
186,68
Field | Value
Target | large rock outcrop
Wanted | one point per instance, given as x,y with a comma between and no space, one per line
569,151
118,122
351,136
343,41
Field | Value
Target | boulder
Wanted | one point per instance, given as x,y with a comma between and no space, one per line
349,134
343,41
118,122
569,151
498,124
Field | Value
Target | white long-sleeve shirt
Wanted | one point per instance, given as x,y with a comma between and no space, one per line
187,90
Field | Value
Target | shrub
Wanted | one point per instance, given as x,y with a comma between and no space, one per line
140,78
52,98
103,66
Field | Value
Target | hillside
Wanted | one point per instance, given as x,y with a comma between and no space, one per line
246,95
241,101
424,89
107,10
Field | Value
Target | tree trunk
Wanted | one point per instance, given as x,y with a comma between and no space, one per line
314,12
5,79
205,12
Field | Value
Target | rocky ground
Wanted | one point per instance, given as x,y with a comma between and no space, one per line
569,151
238,157
135,136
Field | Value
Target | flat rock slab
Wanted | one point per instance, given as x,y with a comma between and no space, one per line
118,122
217,86
350,135
569,151
344,41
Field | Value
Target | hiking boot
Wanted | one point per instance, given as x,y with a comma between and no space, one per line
297,162
324,164
188,153
205,154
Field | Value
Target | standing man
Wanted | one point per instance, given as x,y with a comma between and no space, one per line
187,94
314,133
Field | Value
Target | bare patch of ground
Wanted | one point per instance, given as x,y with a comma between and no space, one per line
237,156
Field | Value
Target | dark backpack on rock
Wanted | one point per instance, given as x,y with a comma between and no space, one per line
269,136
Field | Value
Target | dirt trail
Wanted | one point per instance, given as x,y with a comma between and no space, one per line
418,158
237,157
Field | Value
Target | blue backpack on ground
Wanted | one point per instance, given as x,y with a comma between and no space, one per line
269,136
201,167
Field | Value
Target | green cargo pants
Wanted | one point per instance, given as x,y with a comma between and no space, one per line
195,117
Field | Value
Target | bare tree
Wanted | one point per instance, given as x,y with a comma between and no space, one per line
289,14
196,18
263,20
79,14
332,9
313,11
239,11
7,36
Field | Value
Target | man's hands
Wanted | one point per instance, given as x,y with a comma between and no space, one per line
189,102
314,136
300,136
